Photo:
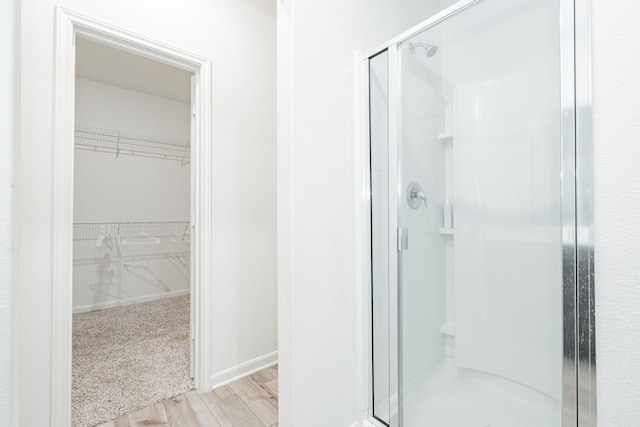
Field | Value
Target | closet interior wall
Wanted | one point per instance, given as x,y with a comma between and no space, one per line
127,195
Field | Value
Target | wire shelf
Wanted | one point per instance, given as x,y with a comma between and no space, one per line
126,143
92,242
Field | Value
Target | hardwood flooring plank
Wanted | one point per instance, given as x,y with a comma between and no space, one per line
266,375
188,410
265,409
121,421
233,412
223,392
154,415
210,397
272,386
248,389
248,402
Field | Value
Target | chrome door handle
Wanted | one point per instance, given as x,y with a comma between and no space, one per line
403,239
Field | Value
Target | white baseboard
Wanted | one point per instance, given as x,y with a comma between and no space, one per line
242,370
128,301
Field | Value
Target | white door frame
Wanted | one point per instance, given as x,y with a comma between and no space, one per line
70,24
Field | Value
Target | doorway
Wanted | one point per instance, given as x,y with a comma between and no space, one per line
113,237
131,233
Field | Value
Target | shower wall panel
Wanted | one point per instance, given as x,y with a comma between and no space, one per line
508,275
508,295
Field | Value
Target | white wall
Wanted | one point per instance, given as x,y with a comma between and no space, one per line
320,367
8,137
129,188
616,90
238,36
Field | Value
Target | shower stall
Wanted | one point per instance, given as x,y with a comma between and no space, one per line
481,260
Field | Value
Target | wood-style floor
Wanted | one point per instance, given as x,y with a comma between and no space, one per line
249,402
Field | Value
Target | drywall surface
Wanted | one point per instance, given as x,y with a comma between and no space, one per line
128,189
8,39
616,120
318,289
239,38
285,43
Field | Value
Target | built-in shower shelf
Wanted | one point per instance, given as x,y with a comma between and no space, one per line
446,231
448,329
446,136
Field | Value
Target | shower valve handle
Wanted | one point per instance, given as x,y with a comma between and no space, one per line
419,195
415,195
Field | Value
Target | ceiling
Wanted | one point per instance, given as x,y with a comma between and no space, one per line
98,62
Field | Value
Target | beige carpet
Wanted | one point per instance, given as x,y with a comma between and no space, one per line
126,358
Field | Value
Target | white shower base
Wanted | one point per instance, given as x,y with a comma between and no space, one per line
446,396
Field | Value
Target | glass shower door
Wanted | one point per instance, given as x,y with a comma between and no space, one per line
479,193
380,284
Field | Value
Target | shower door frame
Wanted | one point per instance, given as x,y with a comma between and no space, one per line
579,356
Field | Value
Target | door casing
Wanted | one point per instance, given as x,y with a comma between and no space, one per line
70,25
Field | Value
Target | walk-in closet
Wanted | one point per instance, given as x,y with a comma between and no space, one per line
131,233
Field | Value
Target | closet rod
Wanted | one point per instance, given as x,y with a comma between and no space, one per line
137,153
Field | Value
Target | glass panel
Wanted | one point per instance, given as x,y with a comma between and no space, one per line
481,282
379,131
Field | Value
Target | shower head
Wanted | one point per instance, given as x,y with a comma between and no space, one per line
429,49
